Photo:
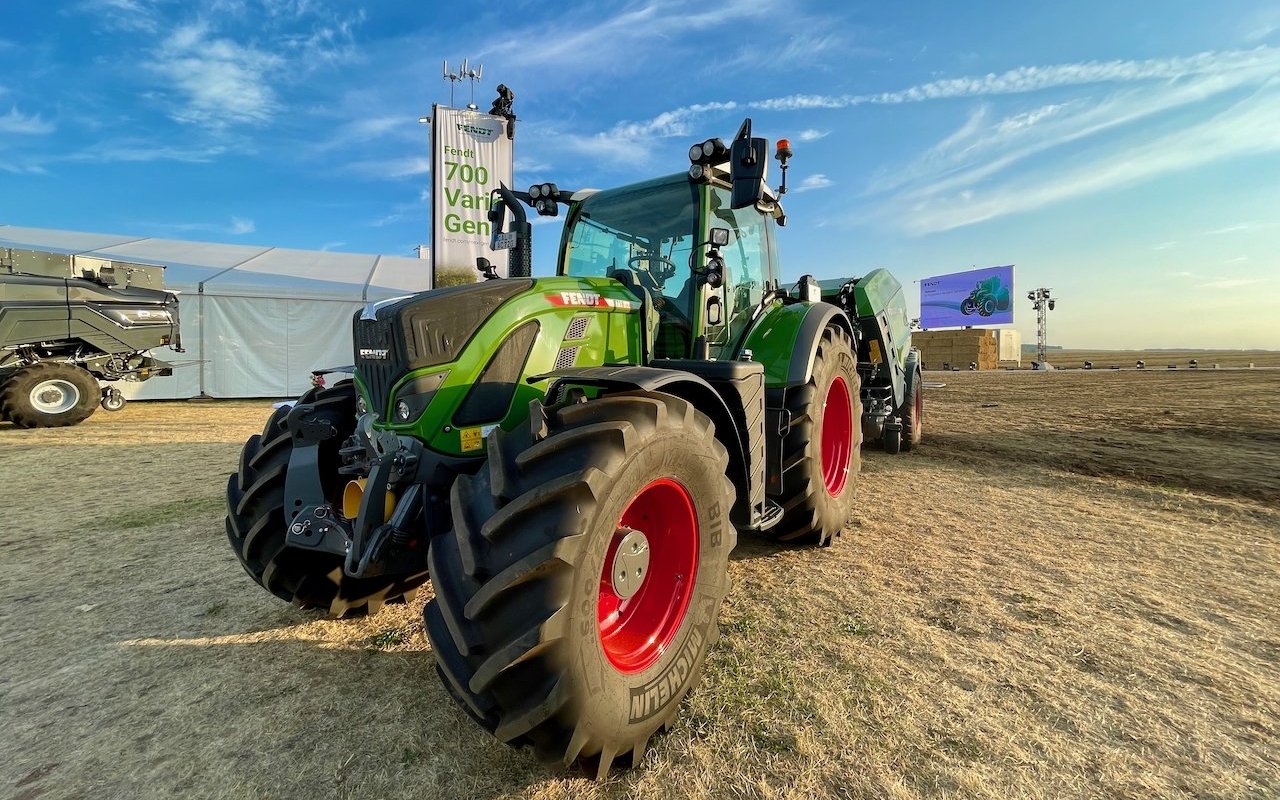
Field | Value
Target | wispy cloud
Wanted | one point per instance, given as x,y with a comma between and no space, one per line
17,123
1239,227
812,135
391,168
1037,78
236,226
586,40
1251,126
816,181
1194,77
222,82
1232,283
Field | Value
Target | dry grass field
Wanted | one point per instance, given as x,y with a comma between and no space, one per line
1069,590
1161,359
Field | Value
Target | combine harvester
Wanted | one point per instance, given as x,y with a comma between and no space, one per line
68,322
571,459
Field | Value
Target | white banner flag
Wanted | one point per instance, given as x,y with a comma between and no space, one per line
470,155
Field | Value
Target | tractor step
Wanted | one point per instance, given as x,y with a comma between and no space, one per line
772,516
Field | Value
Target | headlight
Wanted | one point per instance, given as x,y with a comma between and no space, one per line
361,406
695,153
415,395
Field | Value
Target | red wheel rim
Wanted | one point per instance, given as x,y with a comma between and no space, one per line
837,436
919,417
636,630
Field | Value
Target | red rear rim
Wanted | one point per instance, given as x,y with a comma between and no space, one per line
837,436
919,418
635,630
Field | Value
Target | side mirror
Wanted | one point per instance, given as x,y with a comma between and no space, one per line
748,166
497,220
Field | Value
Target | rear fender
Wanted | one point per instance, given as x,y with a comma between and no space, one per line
785,340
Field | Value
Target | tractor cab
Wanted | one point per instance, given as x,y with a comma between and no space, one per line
699,266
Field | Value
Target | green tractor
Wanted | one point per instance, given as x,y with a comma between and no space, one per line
570,459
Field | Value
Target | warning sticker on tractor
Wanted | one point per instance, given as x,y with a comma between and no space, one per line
472,438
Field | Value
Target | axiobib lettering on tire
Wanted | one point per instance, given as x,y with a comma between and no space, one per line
653,696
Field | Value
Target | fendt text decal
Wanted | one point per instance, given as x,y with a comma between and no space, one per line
589,300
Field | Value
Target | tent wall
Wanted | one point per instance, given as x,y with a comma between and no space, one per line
253,347
255,320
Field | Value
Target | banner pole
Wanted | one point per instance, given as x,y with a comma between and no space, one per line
435,198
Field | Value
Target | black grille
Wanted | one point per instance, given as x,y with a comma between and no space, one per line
378,360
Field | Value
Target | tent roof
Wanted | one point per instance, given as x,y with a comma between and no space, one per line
240,270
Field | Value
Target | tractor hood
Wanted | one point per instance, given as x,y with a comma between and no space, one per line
446,366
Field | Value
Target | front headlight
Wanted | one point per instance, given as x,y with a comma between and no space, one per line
413,397
362,407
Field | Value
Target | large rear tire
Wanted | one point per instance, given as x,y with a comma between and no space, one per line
49,395
821,451
535,635
257,527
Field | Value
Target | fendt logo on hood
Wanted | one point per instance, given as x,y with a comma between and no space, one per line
374,353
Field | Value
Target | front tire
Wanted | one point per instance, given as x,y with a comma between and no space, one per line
257,525
49,395
821,451
534,635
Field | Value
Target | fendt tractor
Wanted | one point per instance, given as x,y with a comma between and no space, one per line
570,459
68,322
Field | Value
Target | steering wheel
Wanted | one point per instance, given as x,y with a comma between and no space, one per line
658,278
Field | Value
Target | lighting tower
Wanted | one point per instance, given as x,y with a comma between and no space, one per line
1044,302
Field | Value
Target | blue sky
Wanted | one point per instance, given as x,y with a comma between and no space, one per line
1126,154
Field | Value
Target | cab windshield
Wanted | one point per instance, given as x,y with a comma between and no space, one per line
643,236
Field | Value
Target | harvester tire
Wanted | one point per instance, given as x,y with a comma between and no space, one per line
256,523
49,395
534,634
821,451
912,414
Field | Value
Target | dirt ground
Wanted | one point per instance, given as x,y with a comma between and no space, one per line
1068,591
1160,359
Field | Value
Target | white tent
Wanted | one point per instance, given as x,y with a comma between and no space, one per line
255,320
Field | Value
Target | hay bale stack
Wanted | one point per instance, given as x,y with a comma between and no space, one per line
958,348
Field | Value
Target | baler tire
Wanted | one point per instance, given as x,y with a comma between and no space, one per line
814,513
256,522
519,581
911,412
891,441
22,410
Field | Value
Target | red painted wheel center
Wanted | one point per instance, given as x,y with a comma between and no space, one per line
837,436
648,575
